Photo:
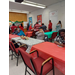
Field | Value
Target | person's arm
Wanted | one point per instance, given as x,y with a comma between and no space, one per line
37,33
40,34
56,42
60,44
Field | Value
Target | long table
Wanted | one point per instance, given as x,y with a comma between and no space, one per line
47,49
29,33
49,34
30,42
12,36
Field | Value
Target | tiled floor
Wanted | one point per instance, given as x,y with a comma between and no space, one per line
20,69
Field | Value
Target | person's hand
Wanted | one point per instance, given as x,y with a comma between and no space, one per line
62,45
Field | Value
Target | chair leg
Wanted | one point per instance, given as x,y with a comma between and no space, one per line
17,59
12,56
53,71
51,40
25,70
53,66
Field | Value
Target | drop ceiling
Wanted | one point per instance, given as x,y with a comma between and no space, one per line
22,8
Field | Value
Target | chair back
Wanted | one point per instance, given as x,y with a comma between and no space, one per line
12,46
46,31
26,59
46,38
54,35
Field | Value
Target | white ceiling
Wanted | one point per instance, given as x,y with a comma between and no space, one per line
45,2
21,7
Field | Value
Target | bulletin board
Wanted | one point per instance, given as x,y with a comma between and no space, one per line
39,19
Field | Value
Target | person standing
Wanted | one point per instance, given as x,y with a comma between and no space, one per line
58,26
27,26
21,27
44,27
50,25
13,27
36,27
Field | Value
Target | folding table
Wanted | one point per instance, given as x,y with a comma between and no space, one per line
47,49
30,42
49,34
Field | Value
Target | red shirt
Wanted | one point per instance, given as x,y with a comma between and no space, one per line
30,27
50,26
21,28
12,28
36,27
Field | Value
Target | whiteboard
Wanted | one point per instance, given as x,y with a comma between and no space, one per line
54,19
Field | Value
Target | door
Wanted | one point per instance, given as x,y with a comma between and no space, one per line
54,19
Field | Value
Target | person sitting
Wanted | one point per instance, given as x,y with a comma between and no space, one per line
12,27
44,27
15,31
20,32
21,27
40,34
30,27
60,40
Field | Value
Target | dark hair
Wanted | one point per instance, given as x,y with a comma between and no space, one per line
13,24
42,23
21,25
40,28
36,22
62,30
60,22
49,20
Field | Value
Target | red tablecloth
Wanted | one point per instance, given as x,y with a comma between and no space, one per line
12,36
48,49
29,33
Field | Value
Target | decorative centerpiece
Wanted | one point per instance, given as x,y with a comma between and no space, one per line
24,37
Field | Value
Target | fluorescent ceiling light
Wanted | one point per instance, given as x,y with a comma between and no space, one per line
12,0
29,3
34,5
19,11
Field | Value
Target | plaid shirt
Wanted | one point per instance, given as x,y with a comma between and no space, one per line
59,39
36,27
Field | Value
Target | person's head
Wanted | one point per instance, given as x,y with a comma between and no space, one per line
42,23
59,22
18,29
49,21
62,33
40,29
21,25
13,24
31,24
36,22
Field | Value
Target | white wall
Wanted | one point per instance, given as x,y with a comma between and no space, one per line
59,7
